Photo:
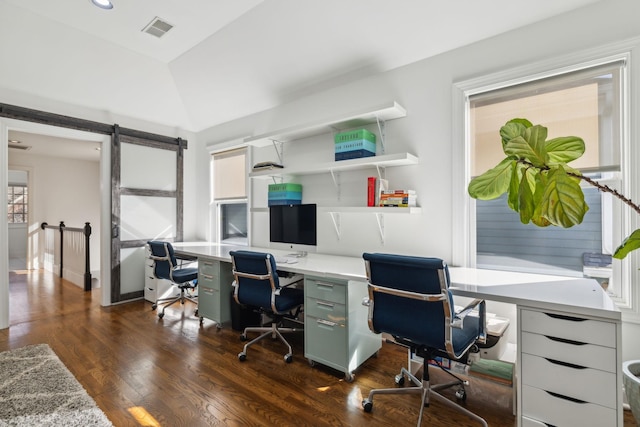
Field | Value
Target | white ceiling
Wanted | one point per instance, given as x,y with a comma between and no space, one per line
228,59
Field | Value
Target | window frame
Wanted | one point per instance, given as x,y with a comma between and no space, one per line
25,213
217,203
464,236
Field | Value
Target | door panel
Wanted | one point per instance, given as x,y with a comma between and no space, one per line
147,168
144,217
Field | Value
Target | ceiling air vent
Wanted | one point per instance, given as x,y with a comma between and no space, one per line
157,27
19,146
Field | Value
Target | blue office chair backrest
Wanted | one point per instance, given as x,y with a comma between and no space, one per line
164,259
256,278
421,321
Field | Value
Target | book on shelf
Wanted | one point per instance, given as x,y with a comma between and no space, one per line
371,191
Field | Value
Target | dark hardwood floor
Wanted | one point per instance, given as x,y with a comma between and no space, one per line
144,371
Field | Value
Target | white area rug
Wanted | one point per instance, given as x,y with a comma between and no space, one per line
36,389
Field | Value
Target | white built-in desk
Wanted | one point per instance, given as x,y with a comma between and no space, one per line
568,330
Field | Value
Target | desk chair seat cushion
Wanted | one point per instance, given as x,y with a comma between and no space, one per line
184,275
253,292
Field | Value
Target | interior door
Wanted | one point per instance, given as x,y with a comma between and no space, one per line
147,200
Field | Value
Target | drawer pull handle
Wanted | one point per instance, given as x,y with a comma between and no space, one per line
566,341
326,322
206,276
325,304
561,396
567,364
564,317
328,286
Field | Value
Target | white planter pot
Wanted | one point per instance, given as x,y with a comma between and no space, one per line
630,372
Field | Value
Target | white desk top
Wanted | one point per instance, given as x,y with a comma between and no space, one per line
579,296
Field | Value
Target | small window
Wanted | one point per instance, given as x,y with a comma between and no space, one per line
230,196
18,202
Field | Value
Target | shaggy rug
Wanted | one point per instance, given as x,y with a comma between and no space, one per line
36,389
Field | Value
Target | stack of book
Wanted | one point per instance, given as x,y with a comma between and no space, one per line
398,198
284,194
354,144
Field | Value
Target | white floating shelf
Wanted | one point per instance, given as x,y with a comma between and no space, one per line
383,112
374,209
387,160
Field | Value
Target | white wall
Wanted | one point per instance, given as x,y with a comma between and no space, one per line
425,90
62,190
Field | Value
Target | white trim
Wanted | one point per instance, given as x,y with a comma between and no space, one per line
4,235
463,206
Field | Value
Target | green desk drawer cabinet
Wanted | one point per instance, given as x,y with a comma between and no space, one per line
336,331
214,291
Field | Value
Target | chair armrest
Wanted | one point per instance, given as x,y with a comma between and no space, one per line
458,318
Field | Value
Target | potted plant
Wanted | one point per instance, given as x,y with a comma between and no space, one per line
540,184
545,190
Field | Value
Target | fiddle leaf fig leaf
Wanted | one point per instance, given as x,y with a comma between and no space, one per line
493,183
514,187
629,244
525,200
530,147
540,185
563,200
565,149
512,129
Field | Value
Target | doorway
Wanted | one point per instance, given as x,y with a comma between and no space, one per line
65,170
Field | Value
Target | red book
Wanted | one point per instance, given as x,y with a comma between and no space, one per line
371,191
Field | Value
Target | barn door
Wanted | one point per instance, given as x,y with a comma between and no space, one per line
147,200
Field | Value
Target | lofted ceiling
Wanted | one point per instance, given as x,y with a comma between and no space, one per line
227,59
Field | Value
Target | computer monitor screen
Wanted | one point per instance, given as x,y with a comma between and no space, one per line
293,224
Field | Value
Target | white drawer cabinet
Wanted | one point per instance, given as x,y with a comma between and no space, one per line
569,370
155,289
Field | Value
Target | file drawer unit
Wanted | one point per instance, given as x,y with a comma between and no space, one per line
154,288
336,330
214,291
569,370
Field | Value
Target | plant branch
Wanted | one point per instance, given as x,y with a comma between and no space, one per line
607,189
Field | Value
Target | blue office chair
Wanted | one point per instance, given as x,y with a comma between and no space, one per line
257,285
165,266
409,299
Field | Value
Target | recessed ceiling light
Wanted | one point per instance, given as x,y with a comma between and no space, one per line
103,4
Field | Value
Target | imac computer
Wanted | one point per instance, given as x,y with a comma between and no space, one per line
293,227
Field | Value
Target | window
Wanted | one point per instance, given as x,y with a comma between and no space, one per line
230,196
17,204
586,100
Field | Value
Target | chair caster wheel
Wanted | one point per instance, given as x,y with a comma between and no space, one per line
154,306
288,358
160,315
242,356
461,394
399,379
367,405
243,337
